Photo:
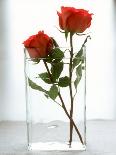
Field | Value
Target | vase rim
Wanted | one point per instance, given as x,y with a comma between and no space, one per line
27,57
43,58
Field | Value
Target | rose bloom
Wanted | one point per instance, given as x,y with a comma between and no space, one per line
74,20
38,45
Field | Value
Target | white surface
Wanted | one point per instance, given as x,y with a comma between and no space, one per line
101,140
22,18
57,146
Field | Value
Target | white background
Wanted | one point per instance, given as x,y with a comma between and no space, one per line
22,18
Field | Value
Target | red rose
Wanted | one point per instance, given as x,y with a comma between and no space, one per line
74,20
38,45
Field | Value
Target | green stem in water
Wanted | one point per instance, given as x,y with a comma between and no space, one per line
63,105
73,123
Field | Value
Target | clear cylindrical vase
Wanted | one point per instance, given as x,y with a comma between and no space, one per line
55,101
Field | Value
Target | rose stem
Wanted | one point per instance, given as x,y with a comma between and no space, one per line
73,123
63,105
70,88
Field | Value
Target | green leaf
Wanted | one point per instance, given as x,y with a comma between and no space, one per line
78,58
56,70
83,67
53,92
35,86
79,70
48,59
76,61
80,53
45,77
64,81
57,54
79,75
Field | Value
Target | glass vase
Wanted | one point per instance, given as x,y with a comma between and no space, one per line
55,101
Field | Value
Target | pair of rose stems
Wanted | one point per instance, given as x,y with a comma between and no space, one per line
70,116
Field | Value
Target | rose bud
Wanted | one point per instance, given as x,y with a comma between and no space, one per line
74,20
39,45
